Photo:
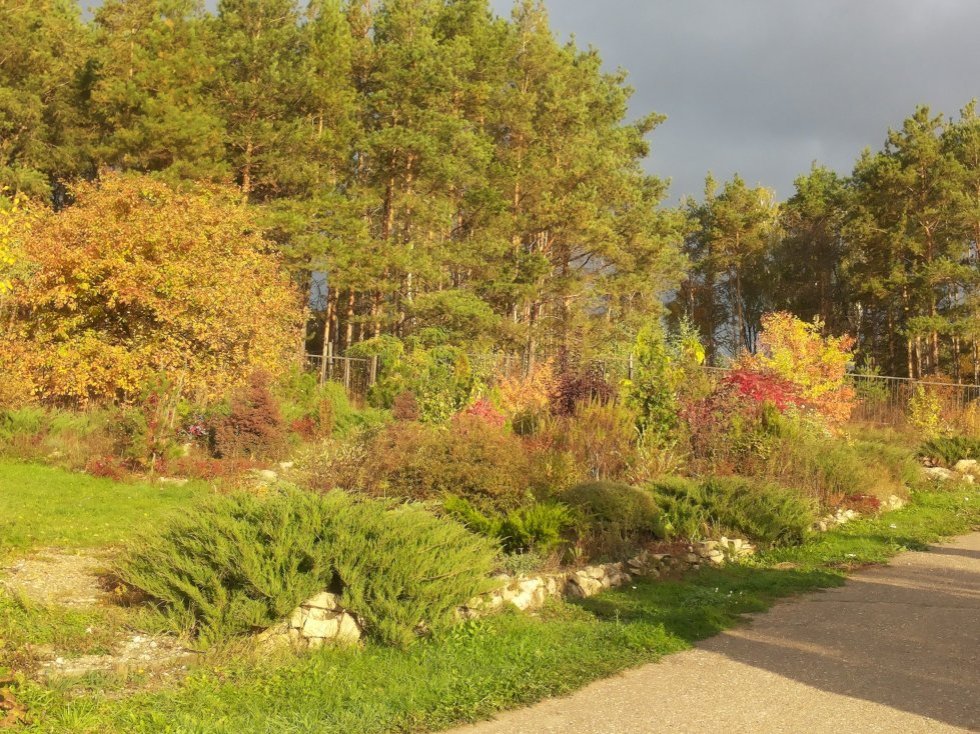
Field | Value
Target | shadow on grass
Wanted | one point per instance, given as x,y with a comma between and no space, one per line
705,604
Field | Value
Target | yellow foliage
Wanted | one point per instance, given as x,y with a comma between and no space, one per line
136,279
519,393
817,365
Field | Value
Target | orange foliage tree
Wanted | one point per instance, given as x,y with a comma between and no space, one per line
817,365
136,279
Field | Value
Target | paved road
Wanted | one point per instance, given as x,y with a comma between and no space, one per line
897,649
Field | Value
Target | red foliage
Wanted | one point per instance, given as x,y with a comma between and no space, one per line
108,467
254,427
764,387
866,504
306,427
483,410
405,407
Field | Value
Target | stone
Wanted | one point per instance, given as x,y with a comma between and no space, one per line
691,558
176,481
286,465
966,466
321,623
968,478
706,547
265,475
297,618
323,600
349,631
939,473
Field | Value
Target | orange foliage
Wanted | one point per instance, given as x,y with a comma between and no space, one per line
527,393
136,279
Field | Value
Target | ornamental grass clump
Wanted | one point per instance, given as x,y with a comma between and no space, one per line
238,563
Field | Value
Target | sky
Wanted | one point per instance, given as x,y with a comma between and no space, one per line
765,87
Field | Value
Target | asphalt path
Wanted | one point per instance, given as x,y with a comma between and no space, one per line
896,649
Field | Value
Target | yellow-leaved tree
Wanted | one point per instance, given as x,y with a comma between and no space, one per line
136,279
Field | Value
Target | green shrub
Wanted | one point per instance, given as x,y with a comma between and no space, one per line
610,502
235,563
538,528
947,450
761,511
617,515
764,512
683,509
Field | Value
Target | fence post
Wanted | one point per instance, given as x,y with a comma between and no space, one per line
373,376
347,374
323,363
329,361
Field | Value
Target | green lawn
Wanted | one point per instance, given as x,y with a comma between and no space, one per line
488,665
43,506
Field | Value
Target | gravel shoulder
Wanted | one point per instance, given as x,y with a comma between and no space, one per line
897,648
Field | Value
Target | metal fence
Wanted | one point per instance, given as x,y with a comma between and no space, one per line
356,374
880,400
889,401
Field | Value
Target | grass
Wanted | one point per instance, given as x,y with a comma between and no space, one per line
488,665
49,507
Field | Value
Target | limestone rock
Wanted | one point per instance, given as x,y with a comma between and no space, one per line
323,600
939,473
967,466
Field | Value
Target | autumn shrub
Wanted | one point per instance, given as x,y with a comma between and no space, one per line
797,352
405,407
235,563
600,439
109,467
925,412
484,410
135,279
526,392
253,427
469,458
576,384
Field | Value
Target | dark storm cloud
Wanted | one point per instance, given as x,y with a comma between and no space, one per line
763,87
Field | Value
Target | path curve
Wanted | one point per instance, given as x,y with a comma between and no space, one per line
896,649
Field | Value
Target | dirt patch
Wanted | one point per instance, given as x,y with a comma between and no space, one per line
57,577
137,654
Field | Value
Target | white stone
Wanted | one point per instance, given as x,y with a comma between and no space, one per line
349,631
320,623
266,475
939,473
966,466
323,600
297,618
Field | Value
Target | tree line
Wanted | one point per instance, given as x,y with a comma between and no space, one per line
446,173
429,170
888,254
